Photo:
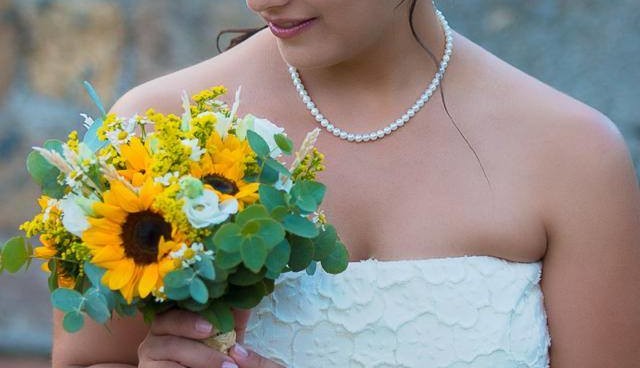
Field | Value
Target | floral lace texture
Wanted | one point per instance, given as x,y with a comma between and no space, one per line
470,311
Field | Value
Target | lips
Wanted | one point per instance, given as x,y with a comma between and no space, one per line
288,28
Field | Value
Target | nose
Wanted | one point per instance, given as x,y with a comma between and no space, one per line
262,5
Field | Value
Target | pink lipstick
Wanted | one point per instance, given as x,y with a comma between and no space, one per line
290,29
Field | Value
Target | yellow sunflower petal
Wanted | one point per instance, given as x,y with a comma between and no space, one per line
148,193
148,279
125,198
135,154
121,275
105,224
107,254
114,213
96,237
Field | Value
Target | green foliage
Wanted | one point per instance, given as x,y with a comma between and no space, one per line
246,297
301,253
205,269
198,290
278,258
337,261
219,314
67,300
96,305
73,321
307,195
325,242
300,226
271,197
245,277
15,254
45,174
258,144
284,143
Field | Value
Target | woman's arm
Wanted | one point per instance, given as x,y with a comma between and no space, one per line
95,343
591,271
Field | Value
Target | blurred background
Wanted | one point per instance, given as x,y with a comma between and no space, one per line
589,49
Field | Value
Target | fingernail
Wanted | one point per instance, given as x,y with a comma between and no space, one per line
228,365
240,351
203,326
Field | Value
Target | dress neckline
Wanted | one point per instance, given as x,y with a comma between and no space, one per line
437,259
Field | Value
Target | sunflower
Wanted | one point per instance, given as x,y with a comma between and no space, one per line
222,169
137,160
131,240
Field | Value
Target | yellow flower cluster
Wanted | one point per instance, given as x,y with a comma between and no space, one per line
310,165
171,155
67,249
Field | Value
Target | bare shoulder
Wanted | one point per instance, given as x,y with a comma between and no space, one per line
231,68
553,135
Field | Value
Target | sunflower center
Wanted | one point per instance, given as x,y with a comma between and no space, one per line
141,234
221,184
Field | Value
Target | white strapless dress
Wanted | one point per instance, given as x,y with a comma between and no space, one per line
469,311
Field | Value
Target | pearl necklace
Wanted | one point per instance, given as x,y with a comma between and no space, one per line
372,136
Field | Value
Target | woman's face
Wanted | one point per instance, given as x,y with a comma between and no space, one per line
341,30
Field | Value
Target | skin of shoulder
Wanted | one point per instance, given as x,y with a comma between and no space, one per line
582,174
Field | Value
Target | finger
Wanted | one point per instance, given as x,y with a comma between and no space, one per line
161,364
246,358
189,353
241,318
182,323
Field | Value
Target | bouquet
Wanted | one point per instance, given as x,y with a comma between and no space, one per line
155,211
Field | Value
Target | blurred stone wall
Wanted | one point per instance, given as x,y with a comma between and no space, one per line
589,49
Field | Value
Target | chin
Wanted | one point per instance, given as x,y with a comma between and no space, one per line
310,57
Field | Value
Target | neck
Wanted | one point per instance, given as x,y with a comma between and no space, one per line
393,63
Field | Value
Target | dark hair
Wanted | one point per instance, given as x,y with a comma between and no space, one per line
248,32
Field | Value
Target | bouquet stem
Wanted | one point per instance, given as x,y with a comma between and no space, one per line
221,342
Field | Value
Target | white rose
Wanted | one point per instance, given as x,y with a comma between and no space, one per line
74,218
207,210
264,128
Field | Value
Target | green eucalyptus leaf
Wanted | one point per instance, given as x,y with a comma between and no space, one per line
14,254
216,289
227,261
254,253
278,213
325,242
301,253
96,305
198,290
308,194
270,231
278,257
178,278
337,261
271,197
245,297
258,145
52,280
178,293
268,175
220,315
192,305
245,277
40,169
67,300
94,273
284,143
300,226
277,166
311,269
228,238
205,268
72,321
255,211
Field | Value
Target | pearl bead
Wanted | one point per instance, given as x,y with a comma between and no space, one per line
411,112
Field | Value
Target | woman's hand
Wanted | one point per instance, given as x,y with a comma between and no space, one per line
245,358
172,343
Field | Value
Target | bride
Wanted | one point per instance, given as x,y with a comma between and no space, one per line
492,222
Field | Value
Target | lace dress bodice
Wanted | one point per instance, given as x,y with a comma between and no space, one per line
470,311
